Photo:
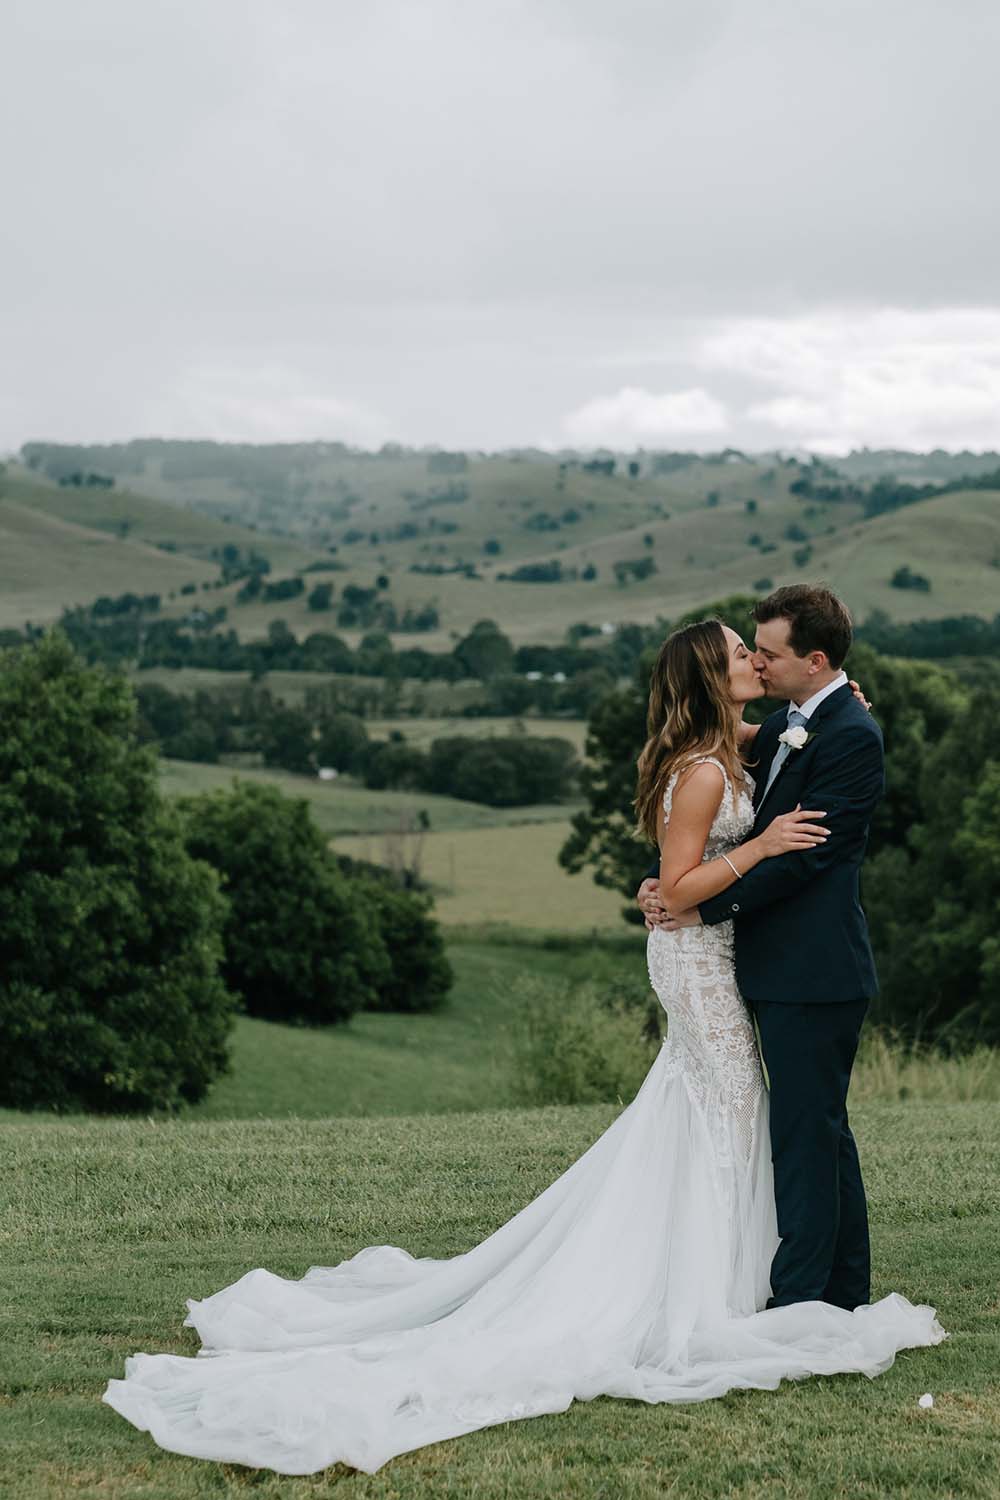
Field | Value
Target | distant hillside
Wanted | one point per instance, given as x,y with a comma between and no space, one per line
123,512
47,563
621,538
951,540
937,467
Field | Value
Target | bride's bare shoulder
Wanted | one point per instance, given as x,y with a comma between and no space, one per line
700,785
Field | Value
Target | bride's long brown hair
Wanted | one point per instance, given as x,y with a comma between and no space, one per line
690,714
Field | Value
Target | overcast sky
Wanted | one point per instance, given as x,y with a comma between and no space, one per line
487,223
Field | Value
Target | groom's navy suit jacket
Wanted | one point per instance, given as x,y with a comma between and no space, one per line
800,932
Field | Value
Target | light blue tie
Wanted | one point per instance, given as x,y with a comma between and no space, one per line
784,750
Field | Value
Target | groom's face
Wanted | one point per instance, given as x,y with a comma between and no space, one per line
783,674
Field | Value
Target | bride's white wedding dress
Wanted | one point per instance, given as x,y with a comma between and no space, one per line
638,1274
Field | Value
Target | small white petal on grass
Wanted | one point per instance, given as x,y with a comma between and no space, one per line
926,1400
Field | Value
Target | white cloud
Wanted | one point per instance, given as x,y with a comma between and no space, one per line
635,417
887,378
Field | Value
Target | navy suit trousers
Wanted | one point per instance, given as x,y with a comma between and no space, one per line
809,1051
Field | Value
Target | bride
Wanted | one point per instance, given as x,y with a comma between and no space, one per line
642,1272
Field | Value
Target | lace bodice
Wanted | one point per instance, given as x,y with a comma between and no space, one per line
732,822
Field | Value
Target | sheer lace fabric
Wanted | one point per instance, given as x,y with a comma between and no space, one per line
638,1273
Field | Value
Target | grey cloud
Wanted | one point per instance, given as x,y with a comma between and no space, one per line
446,216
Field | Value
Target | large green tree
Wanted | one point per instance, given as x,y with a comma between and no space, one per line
110,933
485,652
933,898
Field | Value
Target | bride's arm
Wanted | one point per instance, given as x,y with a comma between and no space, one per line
684,880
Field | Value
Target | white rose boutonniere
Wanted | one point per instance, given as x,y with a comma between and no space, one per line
795,738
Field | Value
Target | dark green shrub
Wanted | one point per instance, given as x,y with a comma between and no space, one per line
420,975
343,740
299,945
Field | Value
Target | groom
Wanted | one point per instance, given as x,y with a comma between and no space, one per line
803,960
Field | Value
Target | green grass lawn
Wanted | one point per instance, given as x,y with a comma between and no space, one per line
456,1058
109,1225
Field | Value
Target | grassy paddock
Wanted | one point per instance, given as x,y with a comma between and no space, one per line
422,731
109,1226
504,875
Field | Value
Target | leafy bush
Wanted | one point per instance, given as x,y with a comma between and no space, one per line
905,578
507,771
395,765
320,596
299,945
343,741
575,1044
485,651
420,975
110,933
636,568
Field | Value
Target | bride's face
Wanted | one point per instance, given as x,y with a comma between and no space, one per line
744,680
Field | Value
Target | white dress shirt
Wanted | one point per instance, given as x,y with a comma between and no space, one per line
807,708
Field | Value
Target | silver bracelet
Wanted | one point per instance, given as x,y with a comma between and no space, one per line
732,866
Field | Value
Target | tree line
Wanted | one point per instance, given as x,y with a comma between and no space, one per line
502,771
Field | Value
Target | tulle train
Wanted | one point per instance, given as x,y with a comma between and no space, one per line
636,1274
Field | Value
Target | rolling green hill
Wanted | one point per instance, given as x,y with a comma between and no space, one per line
703,527
48,563
128,515
953,540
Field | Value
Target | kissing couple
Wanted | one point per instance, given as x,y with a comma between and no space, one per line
716,1235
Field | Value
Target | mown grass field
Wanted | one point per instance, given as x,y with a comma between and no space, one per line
109,1225
505,874
342,808
421,731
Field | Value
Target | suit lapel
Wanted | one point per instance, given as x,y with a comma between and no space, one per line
820,712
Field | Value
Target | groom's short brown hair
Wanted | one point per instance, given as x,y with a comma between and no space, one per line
817,619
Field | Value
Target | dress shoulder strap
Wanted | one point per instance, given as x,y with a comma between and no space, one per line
710,760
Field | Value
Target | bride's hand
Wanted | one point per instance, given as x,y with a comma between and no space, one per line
689,918
792,831
855,688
